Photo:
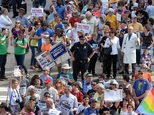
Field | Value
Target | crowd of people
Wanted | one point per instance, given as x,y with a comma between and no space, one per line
121,36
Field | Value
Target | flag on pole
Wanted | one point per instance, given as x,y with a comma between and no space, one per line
147,105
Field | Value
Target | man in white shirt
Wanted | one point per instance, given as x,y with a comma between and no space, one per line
5,22
92,21
73,35
68,100
48,88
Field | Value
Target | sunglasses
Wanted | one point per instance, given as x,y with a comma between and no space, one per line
44,70
32,99
58,82
106,32
89,75
93,84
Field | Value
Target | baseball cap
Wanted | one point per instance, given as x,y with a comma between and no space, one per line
92,100
48,80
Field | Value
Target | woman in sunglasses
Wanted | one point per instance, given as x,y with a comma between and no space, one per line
18,27
32,102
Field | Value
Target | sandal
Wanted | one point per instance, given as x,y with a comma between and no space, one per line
36,66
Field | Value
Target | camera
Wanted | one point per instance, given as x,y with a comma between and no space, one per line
17,101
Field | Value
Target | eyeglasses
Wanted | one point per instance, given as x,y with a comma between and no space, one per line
58,82
17,22
32,99
93,84
111,84
47,96
44,70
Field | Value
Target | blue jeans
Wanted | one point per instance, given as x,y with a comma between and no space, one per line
20,61
16,5
34,50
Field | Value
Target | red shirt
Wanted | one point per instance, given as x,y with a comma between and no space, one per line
78,95
72,21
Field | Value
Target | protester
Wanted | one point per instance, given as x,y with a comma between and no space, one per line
59,86
3,53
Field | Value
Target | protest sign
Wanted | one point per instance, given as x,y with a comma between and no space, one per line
65,108
118,16
38,89
37,12
63,58
105,3
64,77
41,104
108,95
57,51
22,89
54,112
83,27
44,59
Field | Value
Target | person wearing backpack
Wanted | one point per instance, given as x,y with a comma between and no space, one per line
92,109
20,44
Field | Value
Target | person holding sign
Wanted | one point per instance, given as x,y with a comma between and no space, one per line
81,53
68,103
48,88
46,46
65,75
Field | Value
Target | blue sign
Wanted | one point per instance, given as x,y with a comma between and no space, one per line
58,51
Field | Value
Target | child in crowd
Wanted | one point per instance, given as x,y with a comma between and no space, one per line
146,58
46,46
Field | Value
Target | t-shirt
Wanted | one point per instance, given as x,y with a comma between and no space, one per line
113,20
46,32
112,109
63,76
91,93
98,99
30,113
89,111
3,49
137,26
81,109
43,78
78,95
140,86
92,22
19,50
146,76
72,21
46,47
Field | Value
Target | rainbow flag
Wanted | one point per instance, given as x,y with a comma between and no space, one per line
147,105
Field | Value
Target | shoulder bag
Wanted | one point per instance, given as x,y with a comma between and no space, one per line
107,50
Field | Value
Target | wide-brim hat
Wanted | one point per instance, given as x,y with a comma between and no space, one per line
21,10
112,81
111,10
66,66
76,13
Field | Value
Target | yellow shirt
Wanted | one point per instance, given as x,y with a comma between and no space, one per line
137,26
34,42
113,21
54,23
98,99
